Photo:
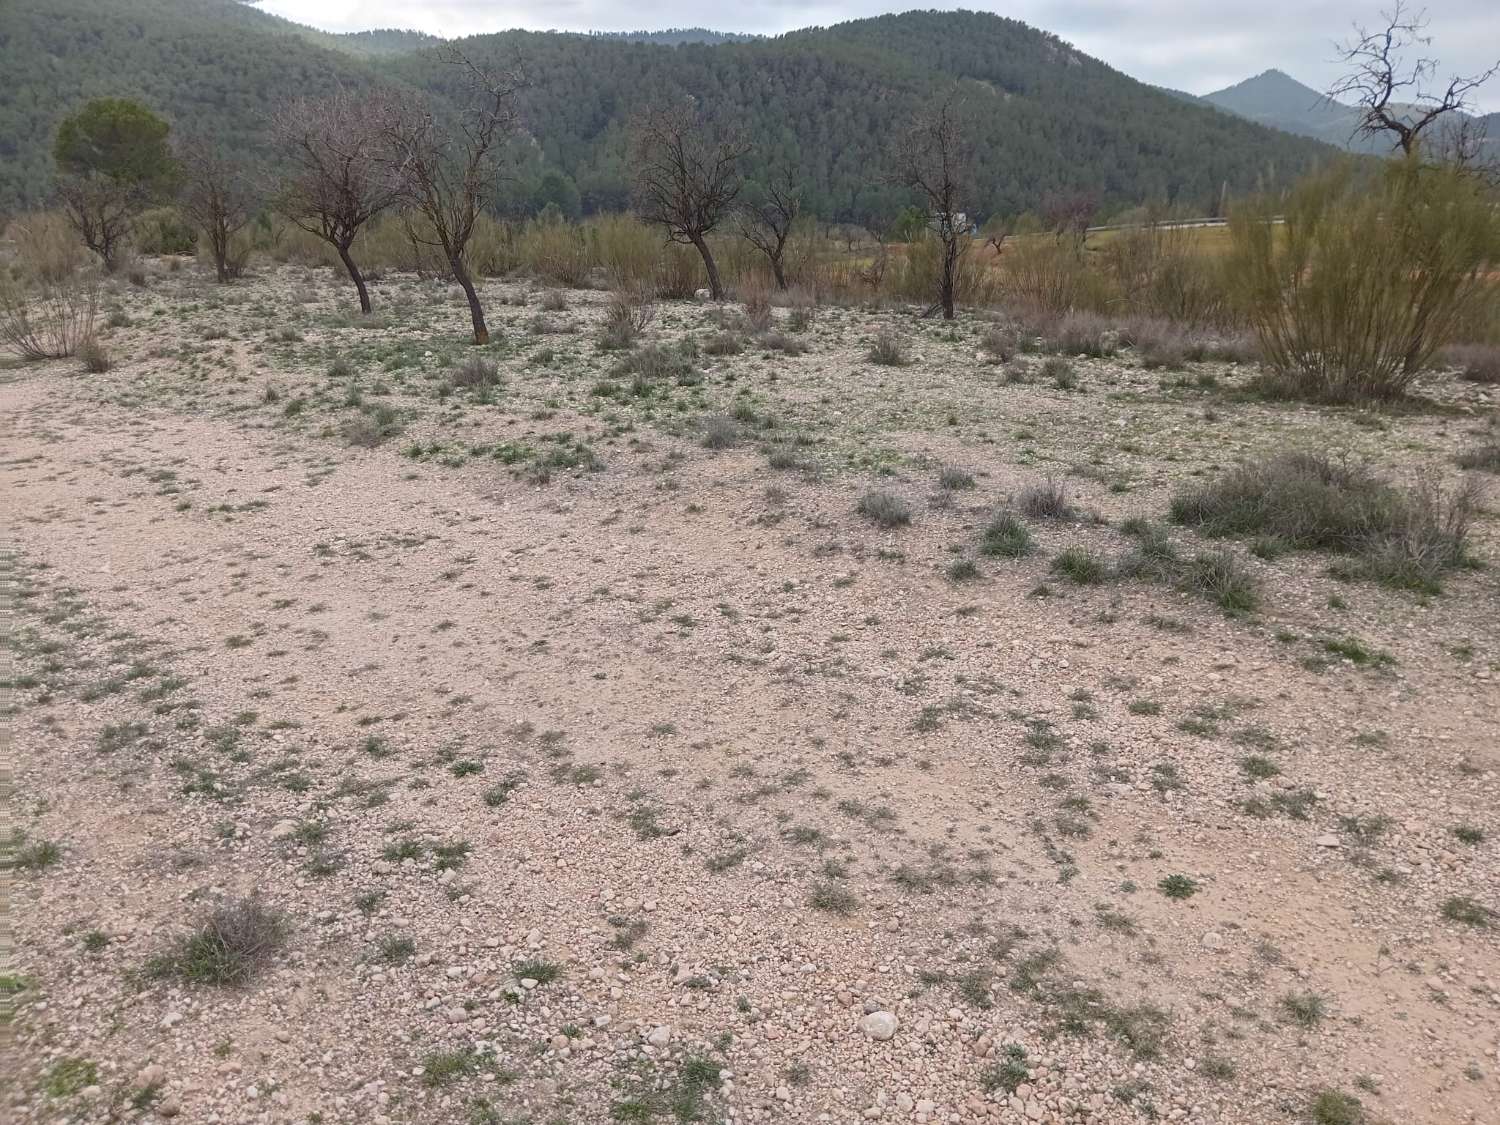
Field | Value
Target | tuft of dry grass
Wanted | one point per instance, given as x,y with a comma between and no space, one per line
228,946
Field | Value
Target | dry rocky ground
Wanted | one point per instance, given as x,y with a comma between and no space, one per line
594,774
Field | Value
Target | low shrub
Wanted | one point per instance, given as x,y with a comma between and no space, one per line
475,371
1476,363
724,343
1046,500
655,363
53,321
885,509
1005,536
719,431
889,350
1403,537
1080,565
998,345
1061,374
229,945
96,360
1485,457
626,317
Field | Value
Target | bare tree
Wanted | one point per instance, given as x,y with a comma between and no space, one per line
687,176
1067,215
102,210
933,157
447,174
218,197
767,224
335,180
1398,97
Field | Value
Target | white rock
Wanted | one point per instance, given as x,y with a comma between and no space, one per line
660,1036
880,1026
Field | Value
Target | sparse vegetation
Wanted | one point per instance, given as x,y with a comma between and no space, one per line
1402,537
233,941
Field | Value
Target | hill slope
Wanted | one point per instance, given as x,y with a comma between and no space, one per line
1048,119
1279,101
1276,99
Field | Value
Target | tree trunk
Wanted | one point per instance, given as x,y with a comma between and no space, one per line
220,242
776,269
476,311
357,277
715,286
950,267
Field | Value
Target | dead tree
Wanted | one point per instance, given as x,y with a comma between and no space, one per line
1068,215
218,198
1396,96
767,224
335,181
446,174
102,210
686,178
933,158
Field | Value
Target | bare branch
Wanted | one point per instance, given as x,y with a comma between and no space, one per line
1393,94
687,176
335,181
217,198
446,175
934,158
767,224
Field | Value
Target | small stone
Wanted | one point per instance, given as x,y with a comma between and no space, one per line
1328,840
283,829
880,1026
169,1106
1212,940
660,1036
153,1075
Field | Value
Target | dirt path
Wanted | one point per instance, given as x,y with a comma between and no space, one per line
701,714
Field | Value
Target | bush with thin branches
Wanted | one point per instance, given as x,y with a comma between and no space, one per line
50,321
626,317
1361,284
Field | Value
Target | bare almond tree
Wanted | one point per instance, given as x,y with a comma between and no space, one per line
933,157
767,223
1068,215
102,210
218,197
1397,96
335,181
686,177
446,174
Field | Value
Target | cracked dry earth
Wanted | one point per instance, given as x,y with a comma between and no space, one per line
644,795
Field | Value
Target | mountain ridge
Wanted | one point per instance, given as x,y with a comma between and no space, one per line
1048,119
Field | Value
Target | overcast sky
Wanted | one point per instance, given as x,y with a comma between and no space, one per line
1193,45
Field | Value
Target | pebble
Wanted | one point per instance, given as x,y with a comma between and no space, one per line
880,1026
660,1036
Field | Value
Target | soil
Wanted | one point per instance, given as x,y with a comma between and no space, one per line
673,767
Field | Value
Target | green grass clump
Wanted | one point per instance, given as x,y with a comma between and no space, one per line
229,945
1403,537
1080,565
1005,536
1178,887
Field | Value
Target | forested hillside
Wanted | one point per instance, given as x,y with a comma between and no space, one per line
1046,118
